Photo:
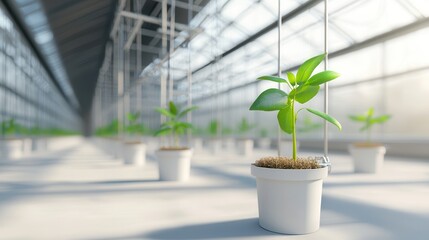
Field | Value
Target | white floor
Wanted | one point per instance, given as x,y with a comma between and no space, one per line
80,192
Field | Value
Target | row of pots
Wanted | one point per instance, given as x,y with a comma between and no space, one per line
289,201
173,165
18,147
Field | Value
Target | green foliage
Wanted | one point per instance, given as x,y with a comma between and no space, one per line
303,87
173,126
213,127
110,129
263,133
244,126
134,127
8,127
368,119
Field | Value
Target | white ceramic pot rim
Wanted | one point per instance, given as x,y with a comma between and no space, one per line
289,174
380,148
181,152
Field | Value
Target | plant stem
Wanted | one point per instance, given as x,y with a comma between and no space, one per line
293,131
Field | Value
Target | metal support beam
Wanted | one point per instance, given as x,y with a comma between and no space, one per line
154,20
297,11
401,31
183,5
117,19
133,33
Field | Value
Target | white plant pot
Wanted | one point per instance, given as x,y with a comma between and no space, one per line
367,159
289,200
214,145
174,165
27,145
228,144
39,144
10,149
264,143
286,147
197,144
245,147
134,154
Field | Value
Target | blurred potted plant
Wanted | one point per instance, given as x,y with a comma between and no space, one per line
245,144
174,160
214,142
290,188
368,156
109,140
134,151
228,139
264,141
10,147
197,141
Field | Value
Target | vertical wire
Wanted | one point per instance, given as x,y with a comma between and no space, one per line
279,70
325,146
189,117
172,35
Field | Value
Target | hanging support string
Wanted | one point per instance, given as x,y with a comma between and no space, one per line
325,160
279,69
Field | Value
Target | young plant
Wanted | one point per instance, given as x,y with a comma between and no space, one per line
303,87
173,126
244,127
8,127
110,129
263,133
368,119
134,128
213,128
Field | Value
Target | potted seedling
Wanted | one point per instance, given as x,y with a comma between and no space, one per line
228,140
290,187
197,141
10,147
109,138
134,151
264,141
174,160
245,144
214,142
368,156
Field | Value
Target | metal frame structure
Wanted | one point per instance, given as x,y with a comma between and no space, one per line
203,77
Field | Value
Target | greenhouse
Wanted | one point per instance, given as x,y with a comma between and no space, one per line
214,119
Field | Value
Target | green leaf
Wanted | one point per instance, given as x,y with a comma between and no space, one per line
370,112
173,108
165,112
273,78
305,93
270,100
323,77
326,117
358,118
381,119
185,111
307,68
285,119
163,131
291,78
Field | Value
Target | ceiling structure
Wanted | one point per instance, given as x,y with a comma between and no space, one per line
80,31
